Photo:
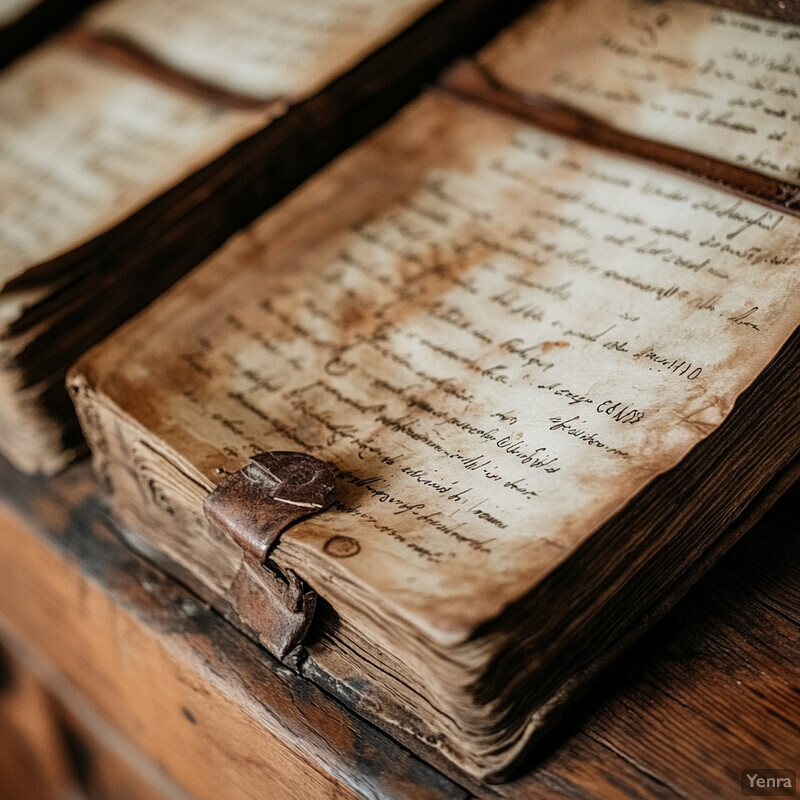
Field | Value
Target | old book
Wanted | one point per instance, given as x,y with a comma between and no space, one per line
684,79
548,378
136,142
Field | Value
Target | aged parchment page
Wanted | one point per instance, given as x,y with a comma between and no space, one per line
497,336
712,81
84,144
260,48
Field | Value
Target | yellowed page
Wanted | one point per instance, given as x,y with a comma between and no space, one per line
260,48
12,10
84,144
712,81
496,336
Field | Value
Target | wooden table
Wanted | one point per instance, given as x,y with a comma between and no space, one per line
154,695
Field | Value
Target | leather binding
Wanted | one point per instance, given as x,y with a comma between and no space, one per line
254,506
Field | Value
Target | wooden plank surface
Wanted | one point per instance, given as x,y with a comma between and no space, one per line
54,745
33,763
212,709
712,690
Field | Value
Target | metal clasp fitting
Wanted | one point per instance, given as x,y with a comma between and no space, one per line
255,505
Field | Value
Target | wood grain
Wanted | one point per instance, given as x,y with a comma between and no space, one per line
208,706
33,765
56,746
712,690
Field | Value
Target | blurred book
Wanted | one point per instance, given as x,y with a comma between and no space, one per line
136,142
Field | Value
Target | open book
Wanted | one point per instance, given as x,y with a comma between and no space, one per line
548,379
136,142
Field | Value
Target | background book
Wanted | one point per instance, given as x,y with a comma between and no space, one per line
133,147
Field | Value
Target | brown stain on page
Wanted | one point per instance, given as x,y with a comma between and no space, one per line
548,346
